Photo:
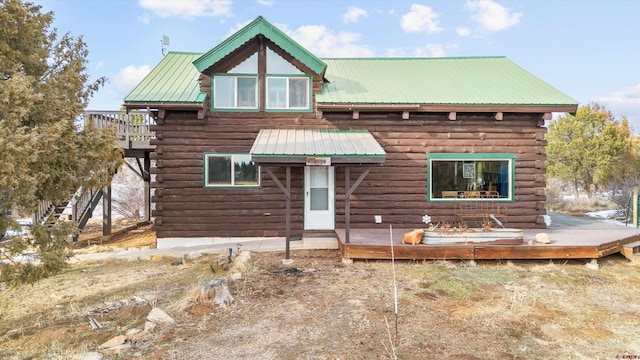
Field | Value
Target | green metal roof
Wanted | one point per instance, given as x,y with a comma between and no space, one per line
426,81
259,26
370,81
174,80
299,143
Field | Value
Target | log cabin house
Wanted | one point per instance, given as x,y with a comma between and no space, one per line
259,138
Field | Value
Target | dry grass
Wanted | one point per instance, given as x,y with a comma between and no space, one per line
329,310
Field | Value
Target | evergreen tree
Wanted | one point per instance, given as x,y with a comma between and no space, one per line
44,87
584,148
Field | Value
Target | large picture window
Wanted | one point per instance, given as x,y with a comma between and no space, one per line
481,177
224,170
235,92
287,93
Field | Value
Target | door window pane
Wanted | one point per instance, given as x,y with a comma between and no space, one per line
319,199
319,176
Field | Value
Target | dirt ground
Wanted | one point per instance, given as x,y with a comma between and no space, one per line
322,308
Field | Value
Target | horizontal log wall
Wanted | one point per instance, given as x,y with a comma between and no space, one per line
396,190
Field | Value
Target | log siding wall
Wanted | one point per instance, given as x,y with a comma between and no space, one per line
396,190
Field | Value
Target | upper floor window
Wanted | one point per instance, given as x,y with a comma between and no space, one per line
466,177
287,93
235,92
285,87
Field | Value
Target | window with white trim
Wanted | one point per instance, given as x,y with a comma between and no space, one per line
285,92
481,177
230,170
235,91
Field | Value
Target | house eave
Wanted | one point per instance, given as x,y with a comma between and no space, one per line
569,108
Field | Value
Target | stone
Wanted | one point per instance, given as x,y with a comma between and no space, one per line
160,317
543,238
149,326
118,340
132,332
91,355
116,350
593,265
142,340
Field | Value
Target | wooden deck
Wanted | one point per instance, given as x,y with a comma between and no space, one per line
571,238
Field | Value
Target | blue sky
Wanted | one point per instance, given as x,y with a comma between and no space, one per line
588,49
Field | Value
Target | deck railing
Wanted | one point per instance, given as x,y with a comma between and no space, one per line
132,128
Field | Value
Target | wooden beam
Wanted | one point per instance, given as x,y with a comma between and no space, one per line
547,116
262,71
347,205
147,186
405,115
452,115
106,211
499,116
287,194
356,115
349,189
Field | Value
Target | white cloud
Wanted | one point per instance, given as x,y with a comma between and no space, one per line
492,16
129,77
266,2
463,31
353,14
420,18
323,42
188,8
625,102
431,50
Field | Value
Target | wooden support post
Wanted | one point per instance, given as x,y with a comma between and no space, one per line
147,186
287,194
106,211
347,198
347,206
288,212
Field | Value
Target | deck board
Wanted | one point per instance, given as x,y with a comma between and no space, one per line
569,240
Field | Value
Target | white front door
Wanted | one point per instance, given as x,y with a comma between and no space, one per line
319,201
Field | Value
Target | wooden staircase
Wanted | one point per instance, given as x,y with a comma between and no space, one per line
631,251
82,205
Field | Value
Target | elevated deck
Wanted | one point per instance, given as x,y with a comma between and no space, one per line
571,238
132,128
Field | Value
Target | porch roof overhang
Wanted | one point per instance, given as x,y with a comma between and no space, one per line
295,147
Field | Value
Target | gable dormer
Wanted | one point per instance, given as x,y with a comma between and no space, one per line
260,69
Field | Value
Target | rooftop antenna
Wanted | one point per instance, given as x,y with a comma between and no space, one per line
165,43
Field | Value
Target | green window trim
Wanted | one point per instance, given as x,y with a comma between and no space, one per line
230,170
287,92
453,177
232,95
